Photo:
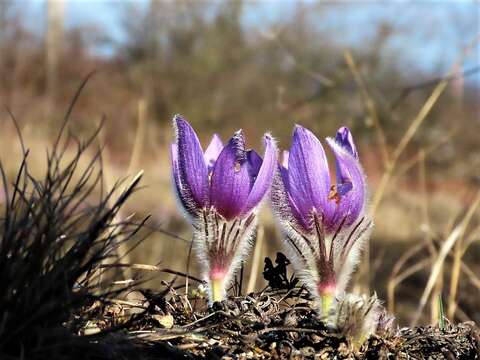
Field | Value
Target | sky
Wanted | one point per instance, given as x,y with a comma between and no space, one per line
440,30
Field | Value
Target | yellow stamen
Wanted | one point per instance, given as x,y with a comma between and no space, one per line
334,195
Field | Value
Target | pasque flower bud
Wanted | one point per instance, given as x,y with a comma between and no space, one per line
324,224
220,191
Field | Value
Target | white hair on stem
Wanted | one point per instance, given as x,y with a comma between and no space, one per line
358,317
222,244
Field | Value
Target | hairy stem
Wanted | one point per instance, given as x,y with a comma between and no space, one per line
217,290
327,301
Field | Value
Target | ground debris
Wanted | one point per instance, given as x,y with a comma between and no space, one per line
274,324
454,342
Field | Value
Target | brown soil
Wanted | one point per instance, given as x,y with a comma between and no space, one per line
268,325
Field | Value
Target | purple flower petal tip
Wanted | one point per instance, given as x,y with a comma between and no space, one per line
308,175
345,139
230,183
192,170
264,176
238,140
213,151
350,184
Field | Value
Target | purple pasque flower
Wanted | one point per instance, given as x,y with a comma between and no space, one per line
220,191
323,223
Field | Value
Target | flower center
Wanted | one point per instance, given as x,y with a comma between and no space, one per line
339,190
334,195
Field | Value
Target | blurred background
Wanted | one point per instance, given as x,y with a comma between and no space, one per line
404,76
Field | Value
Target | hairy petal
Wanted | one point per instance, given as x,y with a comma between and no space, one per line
345,139
308,175
289,203
231,182
293,209
177,183
213,151
351,184
282,205
264,176
283,171
191,164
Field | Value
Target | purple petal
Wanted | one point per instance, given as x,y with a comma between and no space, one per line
231,181
345,139
263,177
177,181
343,186
291,203
284,175
283,169
213,150
308,175
191,164
254,163
174,159
282,202
351,184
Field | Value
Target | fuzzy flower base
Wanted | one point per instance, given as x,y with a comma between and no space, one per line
359,317
221,245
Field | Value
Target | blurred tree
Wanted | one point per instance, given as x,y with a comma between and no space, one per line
53,48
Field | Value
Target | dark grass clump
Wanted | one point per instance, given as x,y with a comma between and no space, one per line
55,233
